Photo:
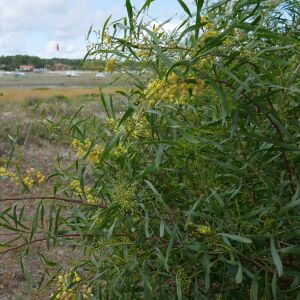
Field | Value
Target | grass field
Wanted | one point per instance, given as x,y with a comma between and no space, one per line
56,95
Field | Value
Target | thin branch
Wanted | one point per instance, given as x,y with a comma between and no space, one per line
72,235
78,202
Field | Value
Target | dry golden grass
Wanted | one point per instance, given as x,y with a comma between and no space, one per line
20,94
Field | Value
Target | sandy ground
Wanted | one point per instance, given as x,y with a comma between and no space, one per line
13,284
36,151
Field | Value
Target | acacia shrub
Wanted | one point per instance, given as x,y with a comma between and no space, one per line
193,191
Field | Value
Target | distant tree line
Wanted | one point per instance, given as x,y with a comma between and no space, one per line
10,63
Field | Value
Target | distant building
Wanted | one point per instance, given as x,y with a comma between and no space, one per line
26,68
2,67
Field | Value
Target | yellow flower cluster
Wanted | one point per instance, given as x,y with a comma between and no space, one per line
138,127
110,65
143,53
208,34
5,173
174,91
209,25
28,181
125,197
63,278
83,147
32,177
75,186
94,156
111,122
86,292
107,38
65,288
205,62
65,294
204,230
119,151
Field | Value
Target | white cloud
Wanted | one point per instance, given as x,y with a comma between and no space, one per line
35,26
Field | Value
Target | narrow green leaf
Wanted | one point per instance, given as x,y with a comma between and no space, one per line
161,229
185,7
239,274
254,289
274,286
237,238
89,32
226,110
46,261
153,189
293,249
110,146
35,221
178,288
189,29
233,76
146,224
104,27
166,59
276,258
144,7
130,13
127,114
291,205
199,4
159,154
145,277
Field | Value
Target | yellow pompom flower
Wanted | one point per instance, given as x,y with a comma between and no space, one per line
203,19
110,65
34,177
82,148
94,156
119,151
76,188
75,185
86,292
208,34
40,177
91,199
3,172
204,230
68,291
11,175
108,40
28,182
76,277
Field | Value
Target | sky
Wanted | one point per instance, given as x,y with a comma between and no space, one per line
35,27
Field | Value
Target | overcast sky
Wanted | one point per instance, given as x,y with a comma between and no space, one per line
34,27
